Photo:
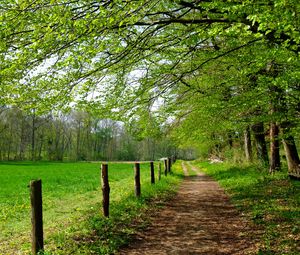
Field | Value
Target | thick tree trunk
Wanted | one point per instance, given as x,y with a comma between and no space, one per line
247,144
274,148
261,146
291,153
276,103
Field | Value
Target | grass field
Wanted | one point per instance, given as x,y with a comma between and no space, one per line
271,201
73,221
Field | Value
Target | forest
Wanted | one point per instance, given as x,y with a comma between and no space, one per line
78,136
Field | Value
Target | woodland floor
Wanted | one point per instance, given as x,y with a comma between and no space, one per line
199,220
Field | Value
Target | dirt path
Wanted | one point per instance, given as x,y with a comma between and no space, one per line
199,220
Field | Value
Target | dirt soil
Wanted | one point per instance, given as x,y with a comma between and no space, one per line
199,220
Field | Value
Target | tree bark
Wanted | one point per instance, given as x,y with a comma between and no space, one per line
277,104
248,144
291,153
274,148
261,146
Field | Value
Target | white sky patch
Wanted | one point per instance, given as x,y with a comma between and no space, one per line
43,67
133,78
157,104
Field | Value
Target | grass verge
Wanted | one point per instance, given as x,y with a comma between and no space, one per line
99,235
271,201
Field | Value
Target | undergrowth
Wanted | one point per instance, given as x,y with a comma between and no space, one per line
272,202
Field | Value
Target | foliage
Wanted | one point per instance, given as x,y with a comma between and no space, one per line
85,43
212,59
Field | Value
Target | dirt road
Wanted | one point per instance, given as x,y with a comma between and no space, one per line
199,220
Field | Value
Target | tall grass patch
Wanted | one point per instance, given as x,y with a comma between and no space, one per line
272,202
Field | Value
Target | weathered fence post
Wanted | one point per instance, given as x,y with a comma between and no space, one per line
159,171
169,164
137,180
105,189
166,167
37,243
152,172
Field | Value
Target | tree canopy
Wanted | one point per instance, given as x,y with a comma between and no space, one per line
59,50
227,62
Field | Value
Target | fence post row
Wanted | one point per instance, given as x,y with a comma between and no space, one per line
105,189
152,172
137,180
37,203
37,244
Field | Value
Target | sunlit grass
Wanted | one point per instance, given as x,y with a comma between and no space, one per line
72,204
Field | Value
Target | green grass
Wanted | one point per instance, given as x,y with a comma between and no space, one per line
271,201
73,220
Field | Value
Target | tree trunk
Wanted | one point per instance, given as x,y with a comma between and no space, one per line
261,147
291,152
40,148
33,137
9,145
22,143
78,142
247,144
274,148
277,106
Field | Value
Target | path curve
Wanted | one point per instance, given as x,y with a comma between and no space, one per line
199,220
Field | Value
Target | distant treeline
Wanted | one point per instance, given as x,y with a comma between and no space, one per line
75,136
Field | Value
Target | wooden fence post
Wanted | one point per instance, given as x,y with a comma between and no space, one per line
152,172
169,165
105,189
159,171
166,167
37,243
137,180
